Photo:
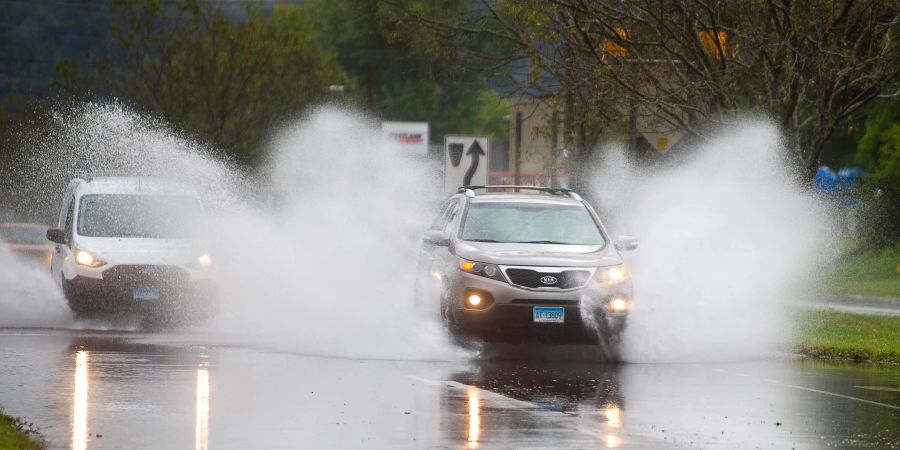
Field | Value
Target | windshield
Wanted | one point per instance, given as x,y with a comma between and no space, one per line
24,235
536,223
139,216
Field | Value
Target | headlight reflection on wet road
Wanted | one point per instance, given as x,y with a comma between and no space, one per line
474,417
201,425
80,402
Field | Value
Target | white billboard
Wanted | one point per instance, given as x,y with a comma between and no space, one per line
465,161
412,136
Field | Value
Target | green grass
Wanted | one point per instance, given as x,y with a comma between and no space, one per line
17,434
838,335
875,273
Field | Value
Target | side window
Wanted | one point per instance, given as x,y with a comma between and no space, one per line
70,217
451,214
441,220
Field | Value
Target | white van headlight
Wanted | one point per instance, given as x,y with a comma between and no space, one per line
203,261
85,258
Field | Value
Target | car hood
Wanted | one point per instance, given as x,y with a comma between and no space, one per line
141,251
550,255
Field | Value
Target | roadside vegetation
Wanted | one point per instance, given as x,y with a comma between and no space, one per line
17,434
875,273
860,338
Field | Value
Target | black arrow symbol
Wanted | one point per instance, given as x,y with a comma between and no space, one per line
475,150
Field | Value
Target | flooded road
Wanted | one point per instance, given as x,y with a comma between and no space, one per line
110,389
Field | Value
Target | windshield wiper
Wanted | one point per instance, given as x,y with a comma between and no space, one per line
482,240
543,242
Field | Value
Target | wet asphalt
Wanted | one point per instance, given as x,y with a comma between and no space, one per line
136,390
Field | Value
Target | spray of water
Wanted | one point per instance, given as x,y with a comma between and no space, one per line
315,254
329,268
27,296
725,237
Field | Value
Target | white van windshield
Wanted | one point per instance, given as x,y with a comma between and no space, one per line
139,216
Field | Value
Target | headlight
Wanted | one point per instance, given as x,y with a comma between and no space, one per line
481,269
87,259
612,274
203,261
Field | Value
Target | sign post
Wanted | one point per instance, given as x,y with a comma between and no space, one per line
465,161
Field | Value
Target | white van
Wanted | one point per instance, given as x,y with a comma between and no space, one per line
131,244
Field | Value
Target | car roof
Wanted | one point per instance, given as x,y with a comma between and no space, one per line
518,197
134,185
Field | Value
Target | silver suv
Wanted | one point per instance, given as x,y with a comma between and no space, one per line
506,265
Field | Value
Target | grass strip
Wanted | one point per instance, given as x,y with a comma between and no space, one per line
839,335
875,274
18,434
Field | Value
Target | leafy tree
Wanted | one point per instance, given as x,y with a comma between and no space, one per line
227,80
402,71
879,148
691,64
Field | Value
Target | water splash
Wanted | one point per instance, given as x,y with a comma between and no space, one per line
329,269
726,237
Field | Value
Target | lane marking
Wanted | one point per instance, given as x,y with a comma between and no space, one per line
834,394
423,380
879,388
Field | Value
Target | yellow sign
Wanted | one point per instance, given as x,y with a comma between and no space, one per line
662,143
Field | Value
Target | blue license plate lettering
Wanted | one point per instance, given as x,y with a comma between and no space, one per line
545,314
146,293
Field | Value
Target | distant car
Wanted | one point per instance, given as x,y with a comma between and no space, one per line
132,244
28,240
506,266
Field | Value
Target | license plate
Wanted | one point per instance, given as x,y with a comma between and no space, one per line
146,293
544,314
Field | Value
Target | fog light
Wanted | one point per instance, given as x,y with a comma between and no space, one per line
474,300
618,305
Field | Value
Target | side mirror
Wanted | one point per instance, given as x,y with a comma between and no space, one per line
436,237
56,235
626,243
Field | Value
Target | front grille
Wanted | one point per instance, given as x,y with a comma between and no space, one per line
147,275
534,302
567,279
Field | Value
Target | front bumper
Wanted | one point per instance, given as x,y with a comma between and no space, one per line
509,316
115,292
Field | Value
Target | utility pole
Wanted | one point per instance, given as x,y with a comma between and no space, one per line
518,160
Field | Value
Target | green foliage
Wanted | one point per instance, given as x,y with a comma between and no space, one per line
404,71
17,434
227,80
879,148
837,335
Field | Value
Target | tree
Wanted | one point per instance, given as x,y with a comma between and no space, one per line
402,71
694,63
879,148
226,80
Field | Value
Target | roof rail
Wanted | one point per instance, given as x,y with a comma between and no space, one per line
550,190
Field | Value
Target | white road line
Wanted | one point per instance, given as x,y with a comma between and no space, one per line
834,394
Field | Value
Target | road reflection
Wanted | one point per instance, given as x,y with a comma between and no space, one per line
201,425
80,401
474,417
591,391
114,375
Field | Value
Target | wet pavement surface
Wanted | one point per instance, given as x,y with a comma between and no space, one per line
112,390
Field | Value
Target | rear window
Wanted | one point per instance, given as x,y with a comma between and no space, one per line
532,223
139,216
